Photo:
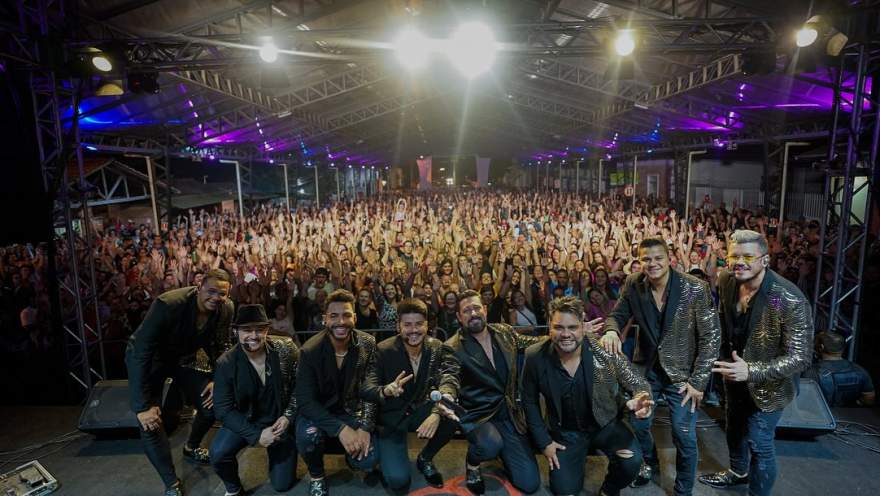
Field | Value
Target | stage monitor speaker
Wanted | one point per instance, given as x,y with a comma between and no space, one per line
808,415
107,411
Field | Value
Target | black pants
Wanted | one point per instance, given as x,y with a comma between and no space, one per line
282,460
191,383
499,438
393,455
310,443
614,440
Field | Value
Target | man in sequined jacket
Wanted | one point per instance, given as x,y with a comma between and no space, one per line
768,339
494,422
678,340
582,386
181,337
253,397
331,387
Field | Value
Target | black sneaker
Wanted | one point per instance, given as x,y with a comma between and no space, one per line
427,468
197,455
176,489
474,480
723,479
318,488
646,474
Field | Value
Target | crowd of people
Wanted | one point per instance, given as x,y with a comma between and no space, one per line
517,249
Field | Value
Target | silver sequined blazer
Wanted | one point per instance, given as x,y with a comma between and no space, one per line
691,335
780,341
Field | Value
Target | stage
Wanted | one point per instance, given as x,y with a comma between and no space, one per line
88,467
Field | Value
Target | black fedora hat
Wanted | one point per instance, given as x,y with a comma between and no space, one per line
251,315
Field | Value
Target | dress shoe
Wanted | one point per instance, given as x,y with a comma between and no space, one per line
196,455
474,480
427,468
646,474
175,490
723,479
318,488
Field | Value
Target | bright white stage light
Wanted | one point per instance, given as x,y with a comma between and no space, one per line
412,48
269,52
806,36
624,43
102,63
472,49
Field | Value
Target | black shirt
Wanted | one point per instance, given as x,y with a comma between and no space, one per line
577,412
348,364
265,408
654,317
741,329
503,374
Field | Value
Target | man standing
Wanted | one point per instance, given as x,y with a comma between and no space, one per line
331,385
253,397
409,367
582,388
182,335
768,338
679,340
494,423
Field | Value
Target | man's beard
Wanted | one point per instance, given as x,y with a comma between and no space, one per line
252,346
475,325
414,339
570,346
752,274
337,335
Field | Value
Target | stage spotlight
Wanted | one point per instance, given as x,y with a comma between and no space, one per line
412,48
806,36
110,87
624,42
472,49
269,52
102,63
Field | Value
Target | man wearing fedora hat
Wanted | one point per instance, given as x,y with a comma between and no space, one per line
254,399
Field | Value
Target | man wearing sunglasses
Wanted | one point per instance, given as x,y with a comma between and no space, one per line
181,337
767,342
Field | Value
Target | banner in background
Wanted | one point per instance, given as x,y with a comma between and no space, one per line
424,173
482,171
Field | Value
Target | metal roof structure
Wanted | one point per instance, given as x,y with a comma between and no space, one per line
342,94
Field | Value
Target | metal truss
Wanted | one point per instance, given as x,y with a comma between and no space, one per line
576,116
851,169
72,283
674,9
581,77
717,70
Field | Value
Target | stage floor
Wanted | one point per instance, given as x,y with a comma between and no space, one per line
88,467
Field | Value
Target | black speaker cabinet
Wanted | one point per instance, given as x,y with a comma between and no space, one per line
107,411
808,415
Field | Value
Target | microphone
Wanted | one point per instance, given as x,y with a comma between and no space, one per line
437,396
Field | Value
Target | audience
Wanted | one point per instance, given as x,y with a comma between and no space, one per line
518,250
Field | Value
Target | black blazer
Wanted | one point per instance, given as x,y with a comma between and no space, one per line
607,376
481,392
438,370
168,336
317,383
234,395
